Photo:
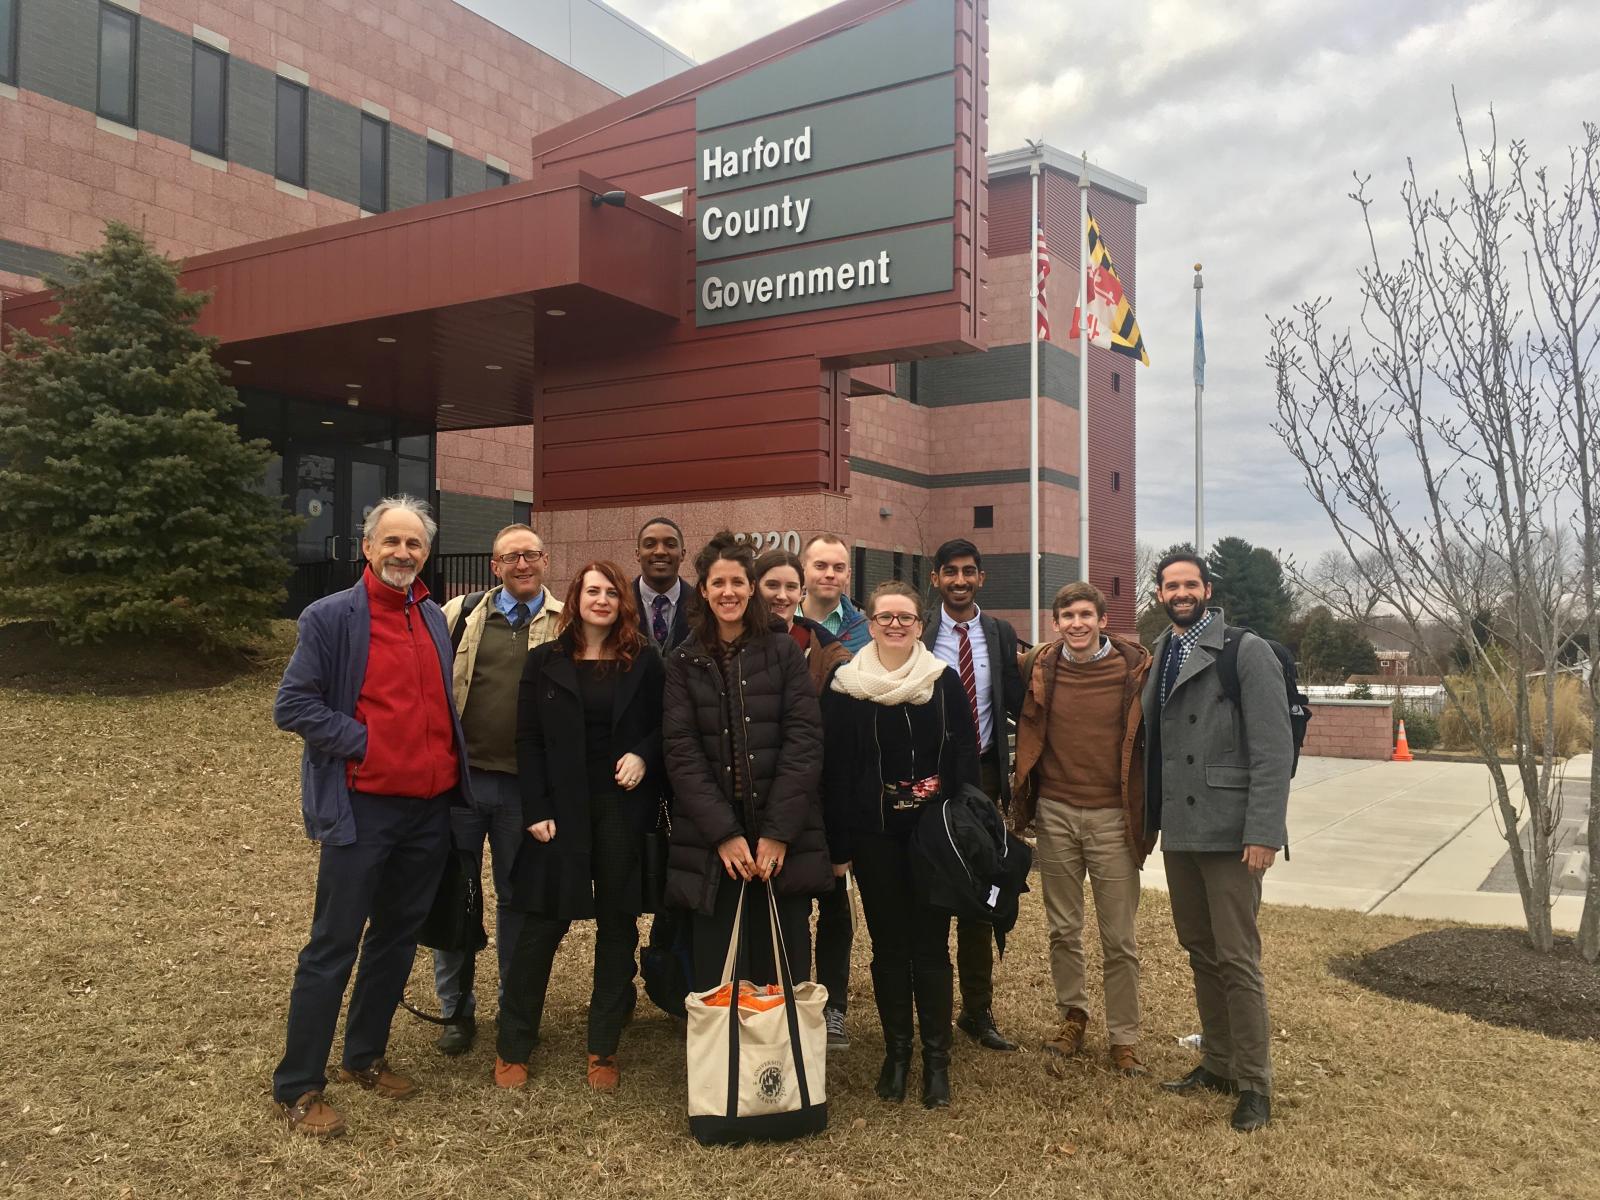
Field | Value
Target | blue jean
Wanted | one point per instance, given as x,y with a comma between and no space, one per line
372,896
496,813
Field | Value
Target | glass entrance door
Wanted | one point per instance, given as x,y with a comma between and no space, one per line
334,488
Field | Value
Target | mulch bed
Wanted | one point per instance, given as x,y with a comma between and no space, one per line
1491,975
31,659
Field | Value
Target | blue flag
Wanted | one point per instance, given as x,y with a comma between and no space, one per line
1199,347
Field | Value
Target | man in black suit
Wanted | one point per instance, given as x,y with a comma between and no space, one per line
664,599
983,650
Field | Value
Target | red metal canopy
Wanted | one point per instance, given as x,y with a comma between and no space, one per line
442,312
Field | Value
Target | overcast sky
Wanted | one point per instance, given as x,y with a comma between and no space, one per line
1245,120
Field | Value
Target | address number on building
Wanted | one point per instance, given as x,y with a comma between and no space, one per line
789,539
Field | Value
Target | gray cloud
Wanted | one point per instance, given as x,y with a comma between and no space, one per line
1245,119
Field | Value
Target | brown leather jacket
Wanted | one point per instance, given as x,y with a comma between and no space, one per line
1031,727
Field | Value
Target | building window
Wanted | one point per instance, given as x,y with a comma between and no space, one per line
1116,585
438,171
858,575
1116,381
497,177
983,516
208,115
8,40
291,131
119,37
374,164
1116,481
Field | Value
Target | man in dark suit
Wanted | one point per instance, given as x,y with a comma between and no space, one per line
664,599
983,649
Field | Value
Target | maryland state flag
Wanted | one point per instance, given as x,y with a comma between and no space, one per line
1110,319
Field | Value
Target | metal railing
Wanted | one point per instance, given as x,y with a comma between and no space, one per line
457,574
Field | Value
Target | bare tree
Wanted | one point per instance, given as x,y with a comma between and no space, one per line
1561,221
1339,581
1436,450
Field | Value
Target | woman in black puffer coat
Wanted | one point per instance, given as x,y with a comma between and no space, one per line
742,737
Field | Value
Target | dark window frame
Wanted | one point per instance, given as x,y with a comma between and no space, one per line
497,177
1116,481
368,120
284,83
983,516
1116,381
13,38
449,172
131,120
201,49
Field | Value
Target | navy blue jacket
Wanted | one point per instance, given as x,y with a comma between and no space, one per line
317,700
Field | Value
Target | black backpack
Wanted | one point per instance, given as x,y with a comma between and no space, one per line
1299,703
458,630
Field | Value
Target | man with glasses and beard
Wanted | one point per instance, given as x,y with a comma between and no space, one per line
1217,787
368,689
493,632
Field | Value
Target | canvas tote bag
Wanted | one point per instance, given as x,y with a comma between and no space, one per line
757,1055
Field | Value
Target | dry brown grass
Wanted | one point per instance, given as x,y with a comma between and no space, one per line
1573,724
157,886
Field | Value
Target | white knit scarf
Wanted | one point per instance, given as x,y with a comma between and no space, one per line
913,682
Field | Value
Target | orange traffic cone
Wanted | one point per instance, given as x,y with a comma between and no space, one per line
1402,749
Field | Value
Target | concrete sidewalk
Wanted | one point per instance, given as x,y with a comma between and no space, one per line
1415,839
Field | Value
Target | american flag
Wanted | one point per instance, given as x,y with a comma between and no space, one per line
1043,311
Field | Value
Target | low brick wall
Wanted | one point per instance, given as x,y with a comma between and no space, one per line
1350,729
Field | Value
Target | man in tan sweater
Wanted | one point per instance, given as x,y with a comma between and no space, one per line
1080,787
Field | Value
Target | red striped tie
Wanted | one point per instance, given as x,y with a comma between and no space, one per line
969,678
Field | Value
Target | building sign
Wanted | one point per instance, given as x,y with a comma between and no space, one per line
827,177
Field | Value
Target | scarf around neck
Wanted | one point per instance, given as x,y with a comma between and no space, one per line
865,678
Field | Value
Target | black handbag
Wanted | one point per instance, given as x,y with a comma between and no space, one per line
456,920
653,862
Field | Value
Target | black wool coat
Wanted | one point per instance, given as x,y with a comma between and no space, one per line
556,877
771,723
853,773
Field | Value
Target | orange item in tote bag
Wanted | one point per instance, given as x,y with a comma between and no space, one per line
757,1055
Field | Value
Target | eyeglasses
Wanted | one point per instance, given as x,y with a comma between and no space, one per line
516,556
904,620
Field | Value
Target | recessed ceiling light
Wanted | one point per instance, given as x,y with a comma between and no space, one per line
387,341
491,366
353,402
327,422
354,386
555,312
241,362
447,406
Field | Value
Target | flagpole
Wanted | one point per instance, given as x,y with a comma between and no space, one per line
1083,368
1033,413
1199,427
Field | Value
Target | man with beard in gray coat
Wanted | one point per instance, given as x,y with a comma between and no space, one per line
1217,787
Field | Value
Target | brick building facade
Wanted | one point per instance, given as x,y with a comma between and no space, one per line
115,109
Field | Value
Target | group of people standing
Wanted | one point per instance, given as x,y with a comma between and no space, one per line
784,737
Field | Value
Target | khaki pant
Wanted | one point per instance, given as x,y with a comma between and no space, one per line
1074,841
1215,899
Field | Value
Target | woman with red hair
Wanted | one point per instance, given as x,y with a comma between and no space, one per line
589,760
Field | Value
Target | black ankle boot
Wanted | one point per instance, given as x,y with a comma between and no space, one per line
892,991
932,989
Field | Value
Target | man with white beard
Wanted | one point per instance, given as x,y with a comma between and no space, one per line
368,689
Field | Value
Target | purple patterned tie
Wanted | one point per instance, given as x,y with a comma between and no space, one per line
658,619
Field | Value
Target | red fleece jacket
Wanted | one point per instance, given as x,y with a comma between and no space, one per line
411,749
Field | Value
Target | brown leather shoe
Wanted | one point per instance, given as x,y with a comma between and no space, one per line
312,1116
510,1075
1126,1061
603,1073
1068,1040
379,1078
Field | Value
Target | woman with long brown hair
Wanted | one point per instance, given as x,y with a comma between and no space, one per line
744,753
589,760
